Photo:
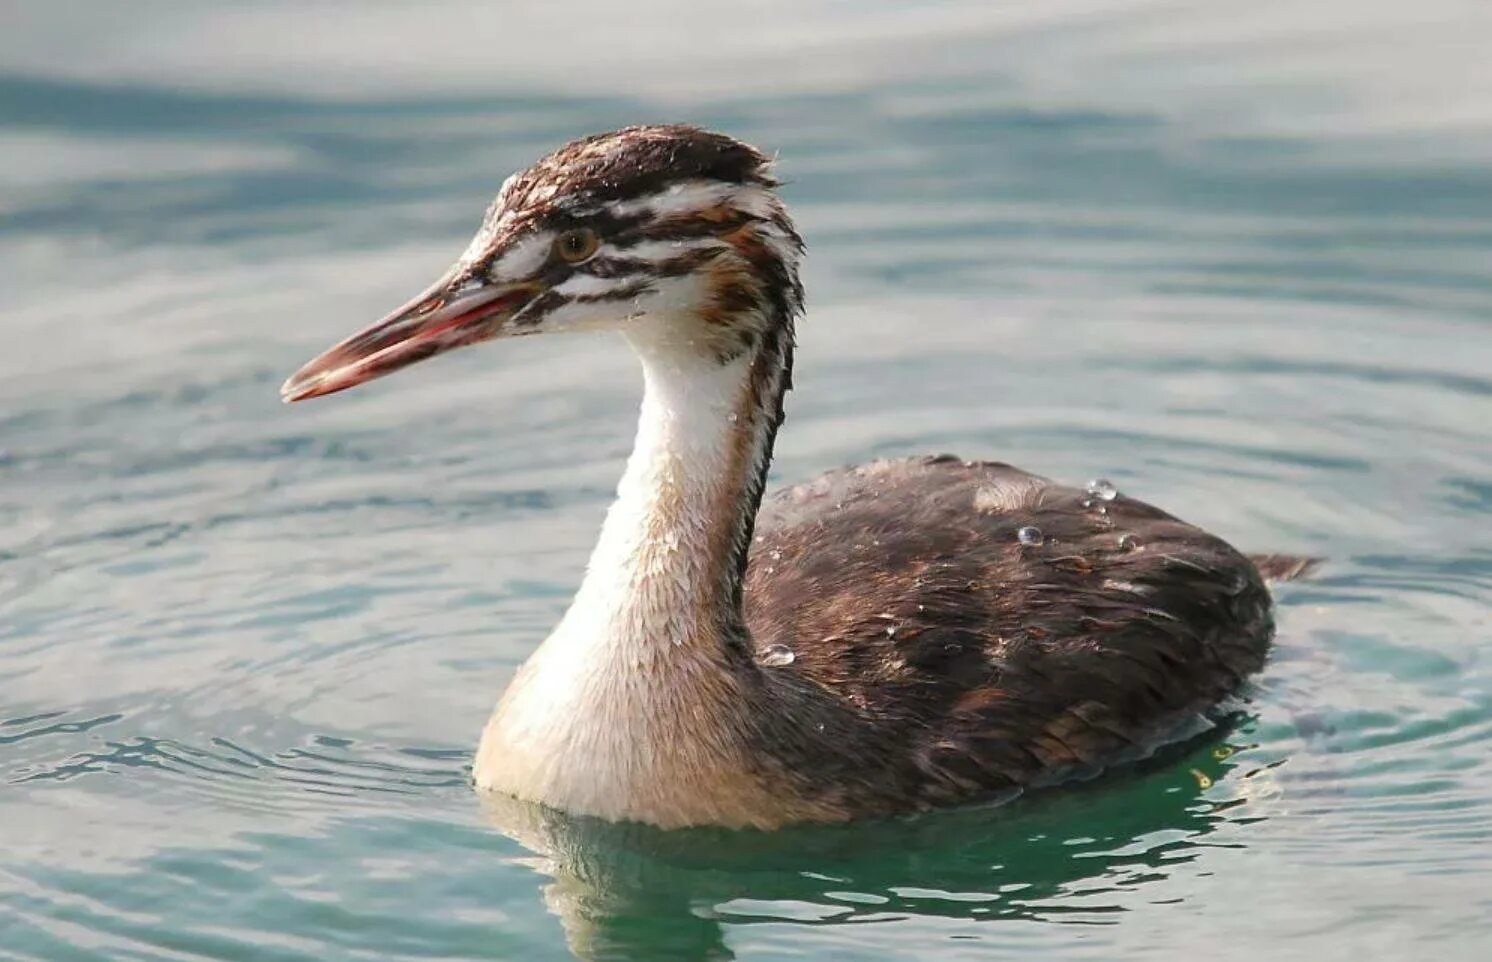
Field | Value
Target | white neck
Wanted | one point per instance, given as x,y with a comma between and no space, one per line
632,703
655,578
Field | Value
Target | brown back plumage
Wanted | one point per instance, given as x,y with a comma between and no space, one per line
985,657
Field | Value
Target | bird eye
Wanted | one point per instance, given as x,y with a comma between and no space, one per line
574,246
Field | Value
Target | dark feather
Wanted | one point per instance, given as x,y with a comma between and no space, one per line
1285,567
971,663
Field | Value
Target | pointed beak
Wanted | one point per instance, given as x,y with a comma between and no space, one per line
452,313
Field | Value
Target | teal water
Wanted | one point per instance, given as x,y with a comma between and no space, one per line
1236,257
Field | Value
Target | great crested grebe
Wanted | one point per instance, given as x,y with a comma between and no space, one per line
882,639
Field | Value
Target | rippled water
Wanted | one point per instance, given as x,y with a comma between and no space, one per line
1235,257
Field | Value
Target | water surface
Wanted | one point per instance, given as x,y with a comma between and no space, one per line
1236,260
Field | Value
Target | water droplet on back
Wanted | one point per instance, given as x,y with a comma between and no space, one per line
1102,489
1128,542
776,656
1029,535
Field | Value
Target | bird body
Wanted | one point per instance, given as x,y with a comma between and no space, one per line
883,639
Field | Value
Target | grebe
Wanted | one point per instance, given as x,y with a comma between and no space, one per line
886,638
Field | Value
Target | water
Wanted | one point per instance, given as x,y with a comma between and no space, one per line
1102,489
777,656
1233,257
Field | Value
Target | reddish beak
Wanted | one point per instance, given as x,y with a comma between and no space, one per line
437,321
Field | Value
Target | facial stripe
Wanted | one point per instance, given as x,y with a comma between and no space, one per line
602,266
522,259
676,199
636,231
619,292
693,210
649,246
687,262
684,227
660,250
554,302
582,284
539,308
605,220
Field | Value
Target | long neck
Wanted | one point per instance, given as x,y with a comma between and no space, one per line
645,702
641,703
667,570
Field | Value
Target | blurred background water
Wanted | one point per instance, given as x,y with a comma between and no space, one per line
1237,257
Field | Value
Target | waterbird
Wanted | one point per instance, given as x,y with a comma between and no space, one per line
883,639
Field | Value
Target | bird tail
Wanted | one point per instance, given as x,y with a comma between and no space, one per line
1285,567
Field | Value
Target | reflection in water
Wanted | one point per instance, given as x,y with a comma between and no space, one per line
629,892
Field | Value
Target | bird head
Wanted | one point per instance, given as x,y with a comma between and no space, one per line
669,231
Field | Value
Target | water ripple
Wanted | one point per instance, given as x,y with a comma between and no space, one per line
245,650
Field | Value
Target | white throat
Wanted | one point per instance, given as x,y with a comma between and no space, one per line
611,715
653,572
